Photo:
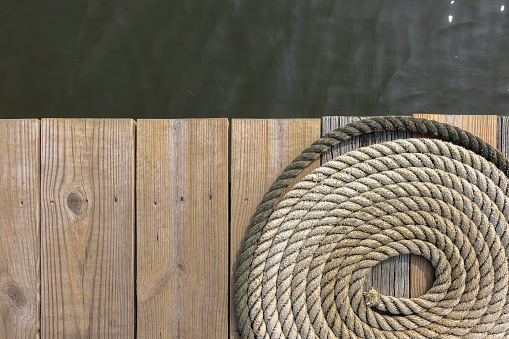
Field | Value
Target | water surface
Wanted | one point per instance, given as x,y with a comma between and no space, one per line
252,58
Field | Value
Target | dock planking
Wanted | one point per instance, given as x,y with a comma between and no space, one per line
115,229
19,228
182,228
87,228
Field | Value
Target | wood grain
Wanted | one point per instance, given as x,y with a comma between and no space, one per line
182,228
503,135
422,274
261,149
19,230
87,228
390,277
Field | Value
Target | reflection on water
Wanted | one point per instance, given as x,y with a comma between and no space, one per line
240,58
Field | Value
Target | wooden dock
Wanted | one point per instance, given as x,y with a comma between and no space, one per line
111,228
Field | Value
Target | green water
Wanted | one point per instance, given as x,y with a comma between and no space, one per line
250,58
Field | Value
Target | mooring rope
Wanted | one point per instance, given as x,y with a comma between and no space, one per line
303,262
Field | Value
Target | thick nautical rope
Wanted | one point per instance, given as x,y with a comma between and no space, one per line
303,262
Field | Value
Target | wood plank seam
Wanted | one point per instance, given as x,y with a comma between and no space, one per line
135,229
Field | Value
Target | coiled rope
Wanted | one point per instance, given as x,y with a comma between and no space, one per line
303,262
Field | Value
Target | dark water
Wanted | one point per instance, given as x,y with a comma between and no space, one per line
252,58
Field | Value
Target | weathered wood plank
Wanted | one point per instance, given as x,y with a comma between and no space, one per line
19,228
182,228
261,149
87,228
422,274
390,277
503,135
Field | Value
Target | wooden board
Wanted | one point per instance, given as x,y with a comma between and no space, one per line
261,149
182,228
503,135
390,277
422,273
87,228
19,228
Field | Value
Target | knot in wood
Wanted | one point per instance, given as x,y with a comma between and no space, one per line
182,267
17,297
75,202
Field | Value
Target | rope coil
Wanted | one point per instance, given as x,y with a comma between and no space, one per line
303,262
